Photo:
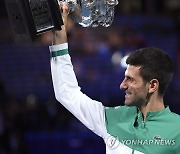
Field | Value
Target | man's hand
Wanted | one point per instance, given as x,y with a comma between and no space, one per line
60,36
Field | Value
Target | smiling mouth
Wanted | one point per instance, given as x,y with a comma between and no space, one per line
127,94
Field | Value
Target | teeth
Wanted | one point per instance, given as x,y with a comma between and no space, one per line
128,94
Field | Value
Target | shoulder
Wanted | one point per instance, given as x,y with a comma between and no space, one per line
172,121
120,113
174,117
116,117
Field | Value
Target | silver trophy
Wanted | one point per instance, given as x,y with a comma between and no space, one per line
92,13
29,18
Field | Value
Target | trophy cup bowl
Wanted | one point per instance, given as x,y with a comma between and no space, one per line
92,13
29,18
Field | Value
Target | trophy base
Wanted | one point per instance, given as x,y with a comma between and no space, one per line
29,18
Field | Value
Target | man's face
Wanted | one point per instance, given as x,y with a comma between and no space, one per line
135,89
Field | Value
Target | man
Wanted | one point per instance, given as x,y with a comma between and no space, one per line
144,124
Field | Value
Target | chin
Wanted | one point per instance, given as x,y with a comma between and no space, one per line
128,103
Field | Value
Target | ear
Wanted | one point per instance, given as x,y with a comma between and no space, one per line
153,85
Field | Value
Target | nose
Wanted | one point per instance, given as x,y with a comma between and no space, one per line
123,85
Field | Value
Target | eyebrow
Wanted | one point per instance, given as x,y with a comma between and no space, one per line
131,77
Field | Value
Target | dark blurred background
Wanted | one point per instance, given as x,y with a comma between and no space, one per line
32,121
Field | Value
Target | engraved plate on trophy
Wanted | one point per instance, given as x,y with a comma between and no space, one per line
41,15
29,18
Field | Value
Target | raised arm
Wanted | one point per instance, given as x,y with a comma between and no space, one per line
67,91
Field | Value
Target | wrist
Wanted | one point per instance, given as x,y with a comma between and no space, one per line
59,36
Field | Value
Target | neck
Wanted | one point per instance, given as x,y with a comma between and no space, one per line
152,106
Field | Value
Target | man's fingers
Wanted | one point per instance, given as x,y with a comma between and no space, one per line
64,8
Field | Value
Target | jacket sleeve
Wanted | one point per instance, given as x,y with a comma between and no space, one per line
68,93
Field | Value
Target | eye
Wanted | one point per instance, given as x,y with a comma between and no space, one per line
129,78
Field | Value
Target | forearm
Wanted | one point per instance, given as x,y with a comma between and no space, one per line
60,36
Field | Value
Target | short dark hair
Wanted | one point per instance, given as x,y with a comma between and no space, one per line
155,64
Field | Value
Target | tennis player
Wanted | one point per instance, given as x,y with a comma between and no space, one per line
144,124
